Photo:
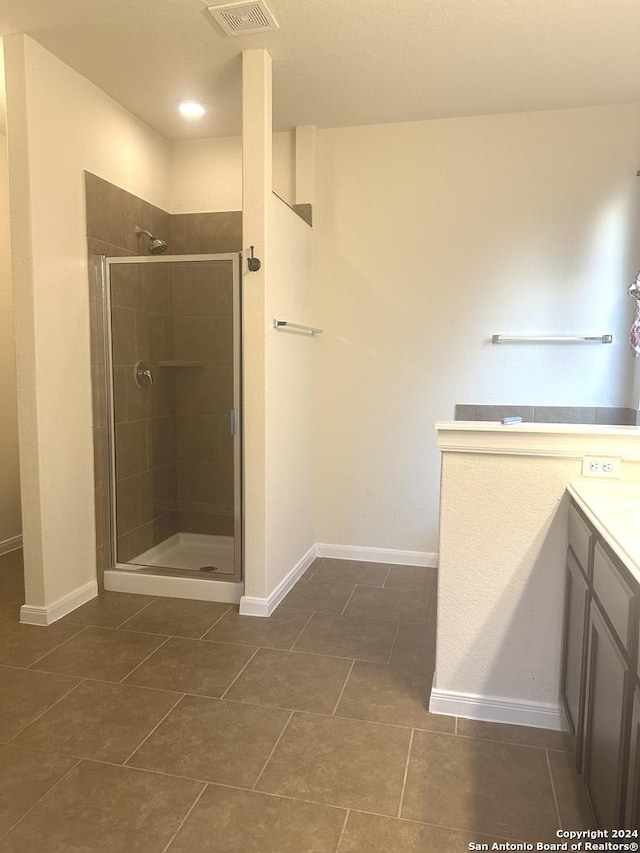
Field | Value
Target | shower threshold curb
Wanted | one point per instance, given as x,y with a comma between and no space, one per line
199,588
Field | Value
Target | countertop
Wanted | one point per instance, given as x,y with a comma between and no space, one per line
614,511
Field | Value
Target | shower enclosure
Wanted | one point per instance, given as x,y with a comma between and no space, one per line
172,347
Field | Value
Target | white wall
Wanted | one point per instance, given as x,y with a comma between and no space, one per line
432,236
290,397
206,174
59,125
10,526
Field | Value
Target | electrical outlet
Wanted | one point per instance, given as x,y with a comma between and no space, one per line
601,466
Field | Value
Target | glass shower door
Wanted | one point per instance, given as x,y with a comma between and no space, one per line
173,330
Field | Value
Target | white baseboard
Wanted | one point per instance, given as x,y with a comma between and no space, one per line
377,555
252,606
167,586
30,615
8,545
494,710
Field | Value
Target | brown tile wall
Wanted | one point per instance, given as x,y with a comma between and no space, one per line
156,496
551,414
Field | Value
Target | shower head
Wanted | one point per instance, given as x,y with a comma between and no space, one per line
156,245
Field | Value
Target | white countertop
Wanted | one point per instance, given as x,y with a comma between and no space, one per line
530,427
614,510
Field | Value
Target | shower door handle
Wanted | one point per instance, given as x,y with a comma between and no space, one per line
234,421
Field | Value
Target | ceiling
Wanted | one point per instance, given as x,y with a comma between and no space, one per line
346,62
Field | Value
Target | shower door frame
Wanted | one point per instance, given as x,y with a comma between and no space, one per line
235,415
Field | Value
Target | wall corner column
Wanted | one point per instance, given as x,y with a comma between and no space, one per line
257,182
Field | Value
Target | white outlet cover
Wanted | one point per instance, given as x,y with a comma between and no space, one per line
602,467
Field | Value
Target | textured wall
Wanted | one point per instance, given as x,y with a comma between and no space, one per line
57,122
432,236
10,525
290,378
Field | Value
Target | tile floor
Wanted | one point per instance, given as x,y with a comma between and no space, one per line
144,725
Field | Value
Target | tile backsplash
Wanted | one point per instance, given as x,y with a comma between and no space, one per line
604,415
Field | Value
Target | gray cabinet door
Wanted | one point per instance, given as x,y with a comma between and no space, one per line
574,652
604,742
632,816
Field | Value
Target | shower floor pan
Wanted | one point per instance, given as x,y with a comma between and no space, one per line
207,555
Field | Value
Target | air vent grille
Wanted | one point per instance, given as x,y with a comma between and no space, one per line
238,19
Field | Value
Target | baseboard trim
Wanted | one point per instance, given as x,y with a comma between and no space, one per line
252,606
12,544
377,555
166,586
30,615
490,709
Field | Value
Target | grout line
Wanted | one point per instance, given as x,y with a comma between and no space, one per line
553,789
388,575
211,627
406,774
133,615
252,790
275,746
455,730
184,819
46,710
301,632
37,803
157,648
159,723
229,686
55,648
335,707
344,827
349,599
393,644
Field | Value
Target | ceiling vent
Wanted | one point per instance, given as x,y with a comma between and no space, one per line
238,19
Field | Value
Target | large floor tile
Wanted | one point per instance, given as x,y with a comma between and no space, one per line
25,694
22,645
102,721
368,833
328,570
192,666
279,631
340,762
178,617
415,578
315,595
109,609
213,740
100,653
10,610
398,605
105,809
480,786
292,680
525,735
25,778
277,824
385,694
415,647
345,636
572,802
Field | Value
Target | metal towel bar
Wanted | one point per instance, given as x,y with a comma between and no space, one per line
284,325
562,339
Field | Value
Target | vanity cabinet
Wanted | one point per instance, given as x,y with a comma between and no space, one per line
600,682
575,648
633,779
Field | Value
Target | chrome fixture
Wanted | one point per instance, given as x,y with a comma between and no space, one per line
156,245
552,339
143,375
285,325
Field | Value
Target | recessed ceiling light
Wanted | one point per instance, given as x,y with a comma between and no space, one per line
191,109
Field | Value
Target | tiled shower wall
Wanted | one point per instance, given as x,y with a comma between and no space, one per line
158,498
